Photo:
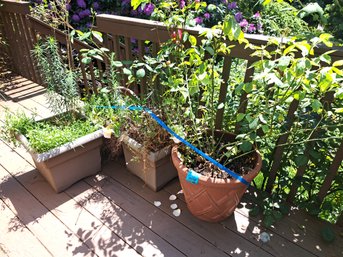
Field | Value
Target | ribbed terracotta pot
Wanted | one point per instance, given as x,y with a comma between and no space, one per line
213,199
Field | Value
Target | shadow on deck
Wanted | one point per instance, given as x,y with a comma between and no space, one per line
115,214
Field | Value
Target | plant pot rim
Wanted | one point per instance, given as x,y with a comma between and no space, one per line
41,157
218,181
139,148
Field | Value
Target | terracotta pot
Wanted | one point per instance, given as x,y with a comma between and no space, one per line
154,168
213,199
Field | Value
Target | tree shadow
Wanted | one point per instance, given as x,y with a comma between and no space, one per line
296,233
120,231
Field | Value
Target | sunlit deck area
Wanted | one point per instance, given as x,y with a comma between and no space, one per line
115,214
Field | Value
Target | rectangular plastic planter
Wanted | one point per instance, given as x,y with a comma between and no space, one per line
154,168
69,163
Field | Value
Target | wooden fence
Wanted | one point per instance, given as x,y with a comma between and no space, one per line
21,30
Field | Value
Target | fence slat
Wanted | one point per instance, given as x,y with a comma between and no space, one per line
278,151
244,100
301,170
223,91
12,42
27,46
332,172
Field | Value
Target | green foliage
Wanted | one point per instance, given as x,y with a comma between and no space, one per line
60,81
333,14
48,134
280,19
15,124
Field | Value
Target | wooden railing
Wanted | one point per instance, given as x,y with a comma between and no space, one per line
21,31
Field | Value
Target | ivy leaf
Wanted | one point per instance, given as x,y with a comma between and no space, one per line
192,40
140,73
220,106
127,71
254,211
338,63
246,146
86,60
240,116
316,105
117,64
268,220
253,124
97,35
301,160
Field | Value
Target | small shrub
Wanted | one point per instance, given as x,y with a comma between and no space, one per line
279,19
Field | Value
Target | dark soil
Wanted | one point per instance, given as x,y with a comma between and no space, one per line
241,165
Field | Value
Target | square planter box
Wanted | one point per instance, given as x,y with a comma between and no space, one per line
154,168
69,163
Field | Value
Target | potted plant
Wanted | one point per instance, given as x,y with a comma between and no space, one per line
192,82
147,149
65,147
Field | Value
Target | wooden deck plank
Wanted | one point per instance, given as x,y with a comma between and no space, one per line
33,214
286,229
126,226
89,229
150,244
222,238
169,229
11,228
304,230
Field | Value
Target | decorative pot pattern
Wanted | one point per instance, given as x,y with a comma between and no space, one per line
212,199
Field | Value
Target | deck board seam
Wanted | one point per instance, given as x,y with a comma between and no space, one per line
226,253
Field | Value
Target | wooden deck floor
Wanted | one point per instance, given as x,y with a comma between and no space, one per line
114,214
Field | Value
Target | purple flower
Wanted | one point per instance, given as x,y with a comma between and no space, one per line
75,18
125,2
259,27
139,9
244,23
84,13
257,15
81,3
207,15
96,6
148,9
89,25
182,4
198,20
232,5
134,12
68,7
39,1
251,28
238,16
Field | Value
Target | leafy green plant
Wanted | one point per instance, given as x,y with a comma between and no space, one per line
280,19
60,80
47,134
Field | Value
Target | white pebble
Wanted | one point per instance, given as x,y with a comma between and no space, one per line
173,206
172,197
157,203
177,212
264,237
